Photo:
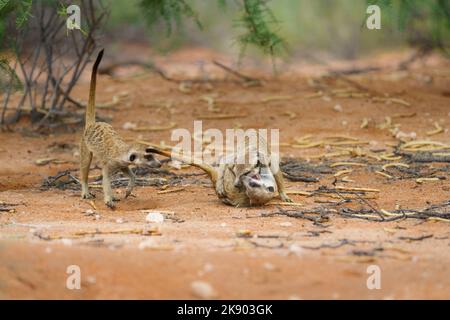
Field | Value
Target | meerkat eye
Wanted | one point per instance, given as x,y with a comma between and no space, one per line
132,157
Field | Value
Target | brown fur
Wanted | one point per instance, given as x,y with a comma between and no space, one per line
113,153
236,185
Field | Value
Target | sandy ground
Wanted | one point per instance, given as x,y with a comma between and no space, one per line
285,258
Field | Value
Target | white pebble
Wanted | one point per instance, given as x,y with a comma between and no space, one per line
203,290
208,267
296,249
269,266
129,125
66,242
338,108
150,243
401,134
119,220
154,217
286,224
91,279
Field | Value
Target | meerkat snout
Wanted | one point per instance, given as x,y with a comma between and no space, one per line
152,162
143,159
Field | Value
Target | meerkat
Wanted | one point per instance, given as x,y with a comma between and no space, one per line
99,139
252,183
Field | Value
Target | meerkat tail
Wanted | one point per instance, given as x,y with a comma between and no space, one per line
90,111
205,167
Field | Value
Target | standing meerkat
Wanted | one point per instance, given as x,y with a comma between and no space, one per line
254,182
113,153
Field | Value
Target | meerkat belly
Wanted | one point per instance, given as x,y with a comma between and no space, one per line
103,141
230,193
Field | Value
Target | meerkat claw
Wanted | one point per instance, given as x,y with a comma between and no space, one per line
110,204
285,198
87,196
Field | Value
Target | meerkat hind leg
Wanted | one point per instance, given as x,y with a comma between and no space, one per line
280,184
107,190
128,172
85,163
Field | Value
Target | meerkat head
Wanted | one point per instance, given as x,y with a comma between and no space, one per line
259,183
141,156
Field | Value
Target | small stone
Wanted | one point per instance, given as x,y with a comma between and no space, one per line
203,290
286,224
154,217
269,266
208,267
89,212
97,217
91,279
296,249
119,220
338,108
402,135
344,123
129,126
150,243
66,242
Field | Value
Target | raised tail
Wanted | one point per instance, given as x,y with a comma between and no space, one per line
90,111
212,173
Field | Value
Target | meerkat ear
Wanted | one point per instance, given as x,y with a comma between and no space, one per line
150,150
237,182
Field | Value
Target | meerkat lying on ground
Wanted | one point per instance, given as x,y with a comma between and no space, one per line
252,183
113,153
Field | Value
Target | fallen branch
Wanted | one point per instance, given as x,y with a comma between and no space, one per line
238,74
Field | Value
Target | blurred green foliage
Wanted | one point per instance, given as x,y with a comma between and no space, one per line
254,18
334,27
426,24
21,10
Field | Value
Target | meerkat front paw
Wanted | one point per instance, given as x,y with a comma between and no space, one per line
285,198
87,195
128,193
110,203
